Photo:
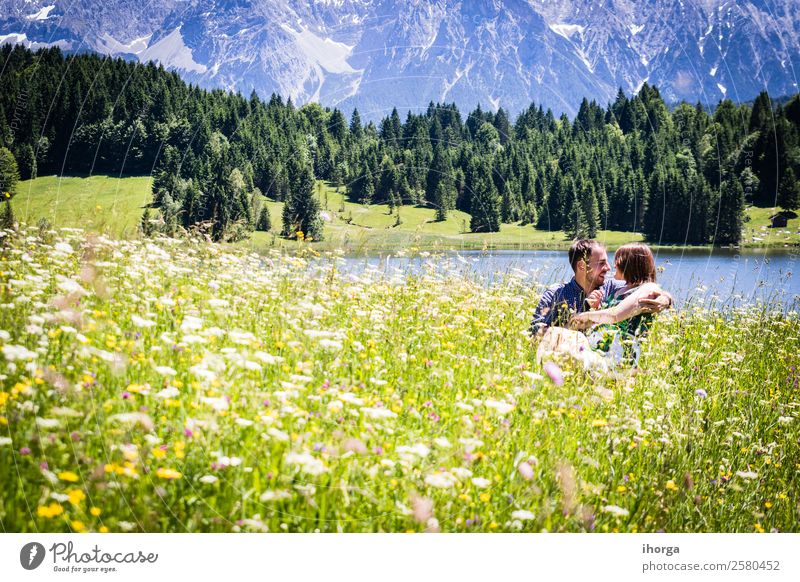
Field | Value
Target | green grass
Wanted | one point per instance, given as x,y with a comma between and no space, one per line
114,206
101,204
173,386
355,227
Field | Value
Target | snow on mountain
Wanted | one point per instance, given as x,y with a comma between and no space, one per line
377,54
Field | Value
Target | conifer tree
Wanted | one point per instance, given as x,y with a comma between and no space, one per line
9,174
301,210
264,223
731,212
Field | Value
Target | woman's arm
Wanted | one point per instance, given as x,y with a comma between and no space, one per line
625,309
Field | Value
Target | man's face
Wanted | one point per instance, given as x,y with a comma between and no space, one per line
597,267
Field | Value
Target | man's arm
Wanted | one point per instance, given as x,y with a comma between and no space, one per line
543,316
627,308
657,301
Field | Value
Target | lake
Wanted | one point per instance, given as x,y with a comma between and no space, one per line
718,278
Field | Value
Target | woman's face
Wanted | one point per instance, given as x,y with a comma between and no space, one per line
618,272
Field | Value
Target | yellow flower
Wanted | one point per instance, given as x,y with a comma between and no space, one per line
768,504
599,422
671,485
758,528
3,398
76,496
103,529
68,476
168,473
621,489
484,497
78,526
52,510
95,511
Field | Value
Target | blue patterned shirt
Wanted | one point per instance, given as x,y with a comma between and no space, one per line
561,302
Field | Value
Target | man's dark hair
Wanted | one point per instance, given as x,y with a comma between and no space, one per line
581,249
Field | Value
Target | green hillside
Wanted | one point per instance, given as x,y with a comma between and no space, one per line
114,206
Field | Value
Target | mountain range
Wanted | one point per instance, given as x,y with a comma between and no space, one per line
379,54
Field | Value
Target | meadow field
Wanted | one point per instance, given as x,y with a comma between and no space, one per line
114,206
177,386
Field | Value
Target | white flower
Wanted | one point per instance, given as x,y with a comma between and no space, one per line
141,321
419,450
785,419
208,479
47,422
747,474
217,404
327,344
70,286
229,461
244,422
268,358
275,495
218,303
166,371
350,398
168,392
522,515
441,480
499,406
306,462
481,483
378,413
442,443
202,373
241,338
191,323
461,472
278,434
63,411
471,444
13,352
5,441
615,510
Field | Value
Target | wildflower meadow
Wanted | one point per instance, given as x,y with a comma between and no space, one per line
180,386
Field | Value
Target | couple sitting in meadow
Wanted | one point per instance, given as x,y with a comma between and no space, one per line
614,313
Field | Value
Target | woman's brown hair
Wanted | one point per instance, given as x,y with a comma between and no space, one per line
636,262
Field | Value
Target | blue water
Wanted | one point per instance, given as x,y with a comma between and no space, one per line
715,278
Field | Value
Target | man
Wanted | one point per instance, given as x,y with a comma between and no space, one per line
587,289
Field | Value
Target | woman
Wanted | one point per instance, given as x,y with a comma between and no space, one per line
621,317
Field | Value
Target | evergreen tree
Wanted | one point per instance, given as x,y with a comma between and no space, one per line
355,125
7,220
485,202
26,162
9,174
789,191
731,212
147,227
264,223
301,210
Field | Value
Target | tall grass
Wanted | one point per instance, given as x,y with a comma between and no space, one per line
179,386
